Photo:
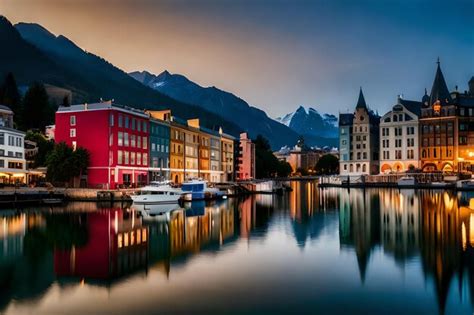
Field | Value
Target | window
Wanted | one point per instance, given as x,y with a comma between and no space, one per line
111,120
72,120
120,121
139,158
139,125
111,139
72,133
145,159
126,156
119,157
2,138
144,126
127,122
18,142
125,139
2,163
134,121
132,158
145,143
133,141
139,142
120,139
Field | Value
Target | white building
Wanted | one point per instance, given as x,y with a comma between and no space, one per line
12,151
399,137
363,146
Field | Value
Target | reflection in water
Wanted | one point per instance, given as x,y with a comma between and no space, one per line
106,246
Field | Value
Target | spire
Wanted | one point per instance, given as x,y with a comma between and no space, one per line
439,91
361,102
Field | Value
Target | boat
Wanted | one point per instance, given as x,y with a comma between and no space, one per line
441,185
156,194
197,189
406,181
465,184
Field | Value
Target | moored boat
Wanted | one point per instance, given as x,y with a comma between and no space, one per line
197,189
157,194
406,182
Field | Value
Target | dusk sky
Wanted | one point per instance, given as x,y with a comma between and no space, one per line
276,55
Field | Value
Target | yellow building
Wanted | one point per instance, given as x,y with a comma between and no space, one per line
227,156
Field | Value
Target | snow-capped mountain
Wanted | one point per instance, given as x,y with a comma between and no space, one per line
227,105
308,121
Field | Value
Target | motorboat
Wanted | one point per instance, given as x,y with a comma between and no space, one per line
406,181
197,189
155,194
465,184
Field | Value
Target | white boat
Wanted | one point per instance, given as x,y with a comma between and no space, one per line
465,184
197,189
157,194
407,181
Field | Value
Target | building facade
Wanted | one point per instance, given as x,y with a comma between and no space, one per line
119,154
364,141
399,149
246,158
447,128
12,151
159,150
345,145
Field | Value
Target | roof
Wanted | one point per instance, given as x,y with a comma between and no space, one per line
439,91
104,105
346,119
361,101
412,106
5,108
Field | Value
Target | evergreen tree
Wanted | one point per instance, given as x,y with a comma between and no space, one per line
266,163
44,147
9,94
328,164
65,101
64,163
36,109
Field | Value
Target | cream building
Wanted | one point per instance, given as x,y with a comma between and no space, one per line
399,137
12,150
364,142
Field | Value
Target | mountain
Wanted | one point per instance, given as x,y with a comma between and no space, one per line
309,122
225,104
32,53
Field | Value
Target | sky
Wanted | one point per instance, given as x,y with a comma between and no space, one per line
276,55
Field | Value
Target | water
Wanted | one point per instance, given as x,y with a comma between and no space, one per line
312,251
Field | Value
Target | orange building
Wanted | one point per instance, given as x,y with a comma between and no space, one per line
447,128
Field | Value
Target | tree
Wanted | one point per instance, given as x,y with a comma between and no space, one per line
9,94
266,164
64,163
44,147
328,164
65,101
37,112
284,169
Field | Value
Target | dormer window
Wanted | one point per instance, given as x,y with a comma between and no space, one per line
437,107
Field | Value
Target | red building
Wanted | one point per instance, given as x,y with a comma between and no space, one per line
116,137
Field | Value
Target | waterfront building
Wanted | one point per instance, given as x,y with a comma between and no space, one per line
49,132
12,150
215,157
227,156
246,158
302,157
116,137
399,137
345,136
364,141
447,128
159,150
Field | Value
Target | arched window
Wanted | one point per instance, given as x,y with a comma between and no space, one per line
395,118
363,168
423,154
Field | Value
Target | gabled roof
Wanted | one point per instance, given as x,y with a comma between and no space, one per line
361,101
439,91
412,106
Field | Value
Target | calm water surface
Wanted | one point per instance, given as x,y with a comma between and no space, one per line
311,251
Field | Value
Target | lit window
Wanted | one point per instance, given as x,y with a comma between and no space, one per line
74,145
125,237
144,235
119,241
72,120
72,133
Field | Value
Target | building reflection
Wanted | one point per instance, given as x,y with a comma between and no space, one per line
437,225
117,245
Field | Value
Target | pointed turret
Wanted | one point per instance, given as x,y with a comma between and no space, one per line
439,91
425,100
361,101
